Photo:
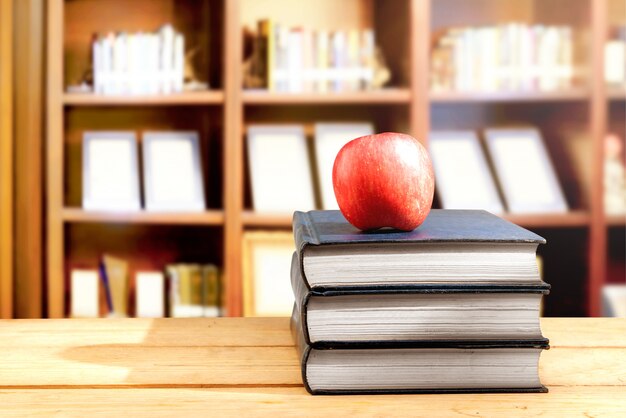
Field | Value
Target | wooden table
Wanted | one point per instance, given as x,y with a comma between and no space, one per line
244,366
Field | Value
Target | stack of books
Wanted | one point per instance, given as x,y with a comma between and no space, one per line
452,306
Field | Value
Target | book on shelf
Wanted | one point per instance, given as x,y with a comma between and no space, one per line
615,57
279,161
433,367
472,245
298,59
85,294
149,294
512,56
116,283
140,63
464,179
329,139
614,300
402,315
524,171
194,290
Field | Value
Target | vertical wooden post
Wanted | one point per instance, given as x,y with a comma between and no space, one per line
28,158
6,159
54,157
420,62
598,119
233,157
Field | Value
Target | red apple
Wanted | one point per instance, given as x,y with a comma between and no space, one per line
384,180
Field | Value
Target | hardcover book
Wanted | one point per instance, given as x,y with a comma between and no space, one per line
451,246
400,316
429,367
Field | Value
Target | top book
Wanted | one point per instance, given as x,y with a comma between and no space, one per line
454,247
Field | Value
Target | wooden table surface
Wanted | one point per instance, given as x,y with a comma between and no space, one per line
245,366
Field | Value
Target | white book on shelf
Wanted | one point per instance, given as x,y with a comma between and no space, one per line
464,180
614,300
85,294
322,61
329,139
119,73
97,57
295,59
107,63
524,171
167,59
279,169
149,294
338,55
615,62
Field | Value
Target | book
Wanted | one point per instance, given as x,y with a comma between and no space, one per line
117,277
149,295
273,152
329,139
194,290
464,180
85,291
432,367
451,246
395,316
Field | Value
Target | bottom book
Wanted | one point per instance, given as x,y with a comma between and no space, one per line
450,367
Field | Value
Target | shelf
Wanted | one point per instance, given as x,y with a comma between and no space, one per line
251,218
577,218
510,96
545,220
188,98
263,97
616,93
210,217
616,220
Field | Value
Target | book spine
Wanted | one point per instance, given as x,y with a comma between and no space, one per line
303,348
299,287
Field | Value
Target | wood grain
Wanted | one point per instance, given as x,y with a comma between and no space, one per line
6,159
296,402
210,217
598,123
29,144
233,158
187,98
242,351
55,244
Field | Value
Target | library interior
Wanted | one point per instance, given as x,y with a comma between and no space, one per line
230,113
237,207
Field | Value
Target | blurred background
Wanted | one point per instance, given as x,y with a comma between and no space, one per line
152,152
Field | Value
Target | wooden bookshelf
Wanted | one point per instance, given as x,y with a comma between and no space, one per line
6,160
221,115
383,96
210,97
513,96
78,215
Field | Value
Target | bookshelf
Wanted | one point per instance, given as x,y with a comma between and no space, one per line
579,115
6,160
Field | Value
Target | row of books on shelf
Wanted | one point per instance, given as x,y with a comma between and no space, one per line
182,291
511,56
299,59
522,168
140,63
